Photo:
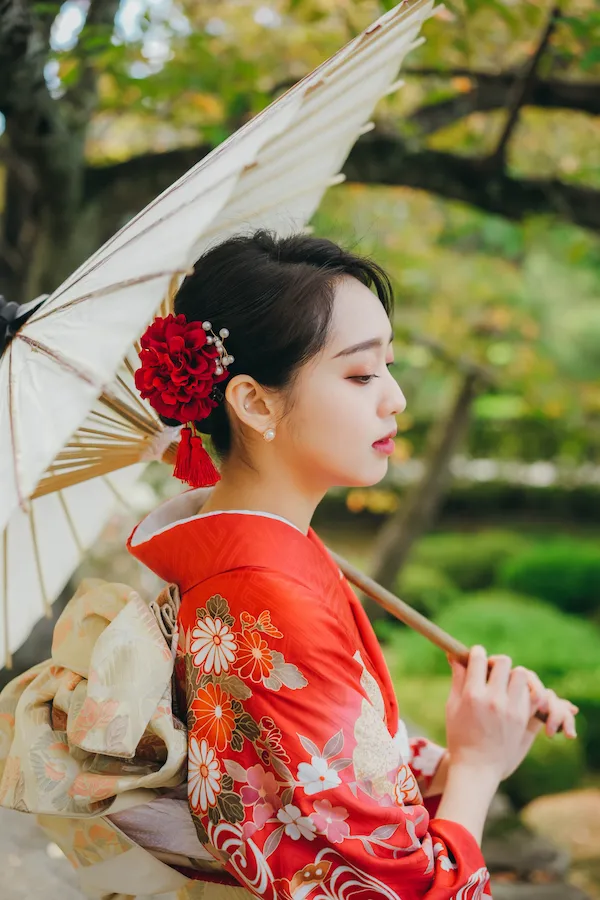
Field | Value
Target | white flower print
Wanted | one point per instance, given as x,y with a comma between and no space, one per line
213,645
317,776
204,776
440,855
427,758
296,825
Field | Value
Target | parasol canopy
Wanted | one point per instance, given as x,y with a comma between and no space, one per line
74,433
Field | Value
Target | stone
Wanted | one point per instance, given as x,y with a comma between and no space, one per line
571,819
527,855
500,809
561,891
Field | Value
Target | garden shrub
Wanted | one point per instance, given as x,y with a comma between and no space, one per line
583,689
534,634
564,572
470,560
422,704
425,589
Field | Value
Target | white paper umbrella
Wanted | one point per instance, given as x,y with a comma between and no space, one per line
73,430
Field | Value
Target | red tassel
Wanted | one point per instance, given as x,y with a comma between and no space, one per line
193,464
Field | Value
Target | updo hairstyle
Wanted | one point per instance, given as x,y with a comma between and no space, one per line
275,296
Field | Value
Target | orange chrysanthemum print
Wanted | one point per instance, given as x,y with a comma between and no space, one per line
254,659
214,717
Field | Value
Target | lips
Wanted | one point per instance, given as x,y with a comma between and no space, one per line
389,436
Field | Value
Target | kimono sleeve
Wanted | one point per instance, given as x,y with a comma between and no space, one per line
294,780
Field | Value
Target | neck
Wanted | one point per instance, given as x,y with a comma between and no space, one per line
280,494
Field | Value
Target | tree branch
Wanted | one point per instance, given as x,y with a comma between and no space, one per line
457,361
128,186
385,159
377,158
522,88
492,91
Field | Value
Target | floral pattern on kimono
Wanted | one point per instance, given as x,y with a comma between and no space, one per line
295,780
302,780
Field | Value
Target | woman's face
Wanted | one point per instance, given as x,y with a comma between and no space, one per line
345,398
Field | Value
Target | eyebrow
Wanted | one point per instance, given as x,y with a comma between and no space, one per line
364,345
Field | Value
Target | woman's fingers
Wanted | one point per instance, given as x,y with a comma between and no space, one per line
477,668
500,672
536,687
499,676
555,713
518,685
459,673
559,713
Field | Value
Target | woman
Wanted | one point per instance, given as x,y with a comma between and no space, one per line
302,782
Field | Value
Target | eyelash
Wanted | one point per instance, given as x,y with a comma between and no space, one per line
359,378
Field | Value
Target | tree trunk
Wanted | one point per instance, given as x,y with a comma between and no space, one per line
422,501
61,245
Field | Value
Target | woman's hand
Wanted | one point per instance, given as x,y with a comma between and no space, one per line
488,714
560,713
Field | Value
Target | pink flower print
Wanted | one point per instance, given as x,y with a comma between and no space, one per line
262,814
329,820
261,790
248,829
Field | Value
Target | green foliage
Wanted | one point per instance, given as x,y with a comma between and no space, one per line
531,632
584,691
563,572
552,765
425,589
469,560
422,701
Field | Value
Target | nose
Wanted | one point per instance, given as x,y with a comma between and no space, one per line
395,399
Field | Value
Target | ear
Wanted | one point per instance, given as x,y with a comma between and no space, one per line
253,404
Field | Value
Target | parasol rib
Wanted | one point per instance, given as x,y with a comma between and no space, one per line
100,292
70,522
5,617
38,564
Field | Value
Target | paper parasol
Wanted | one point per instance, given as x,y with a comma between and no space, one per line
73,430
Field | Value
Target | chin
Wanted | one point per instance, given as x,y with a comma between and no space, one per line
367,480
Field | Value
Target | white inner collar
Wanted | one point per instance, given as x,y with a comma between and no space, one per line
183,508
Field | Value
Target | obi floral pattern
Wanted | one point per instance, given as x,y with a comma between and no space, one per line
93,726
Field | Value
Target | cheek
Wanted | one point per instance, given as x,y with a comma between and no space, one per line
330,415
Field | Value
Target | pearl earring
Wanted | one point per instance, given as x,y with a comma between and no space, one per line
269,434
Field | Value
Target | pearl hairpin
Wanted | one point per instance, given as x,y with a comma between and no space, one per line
225,359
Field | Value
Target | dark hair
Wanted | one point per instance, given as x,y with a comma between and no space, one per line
275,296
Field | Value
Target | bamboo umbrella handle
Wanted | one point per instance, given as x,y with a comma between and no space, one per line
407,614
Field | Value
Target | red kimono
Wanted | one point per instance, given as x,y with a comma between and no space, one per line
301,777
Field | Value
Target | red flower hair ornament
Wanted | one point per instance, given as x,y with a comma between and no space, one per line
180,365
